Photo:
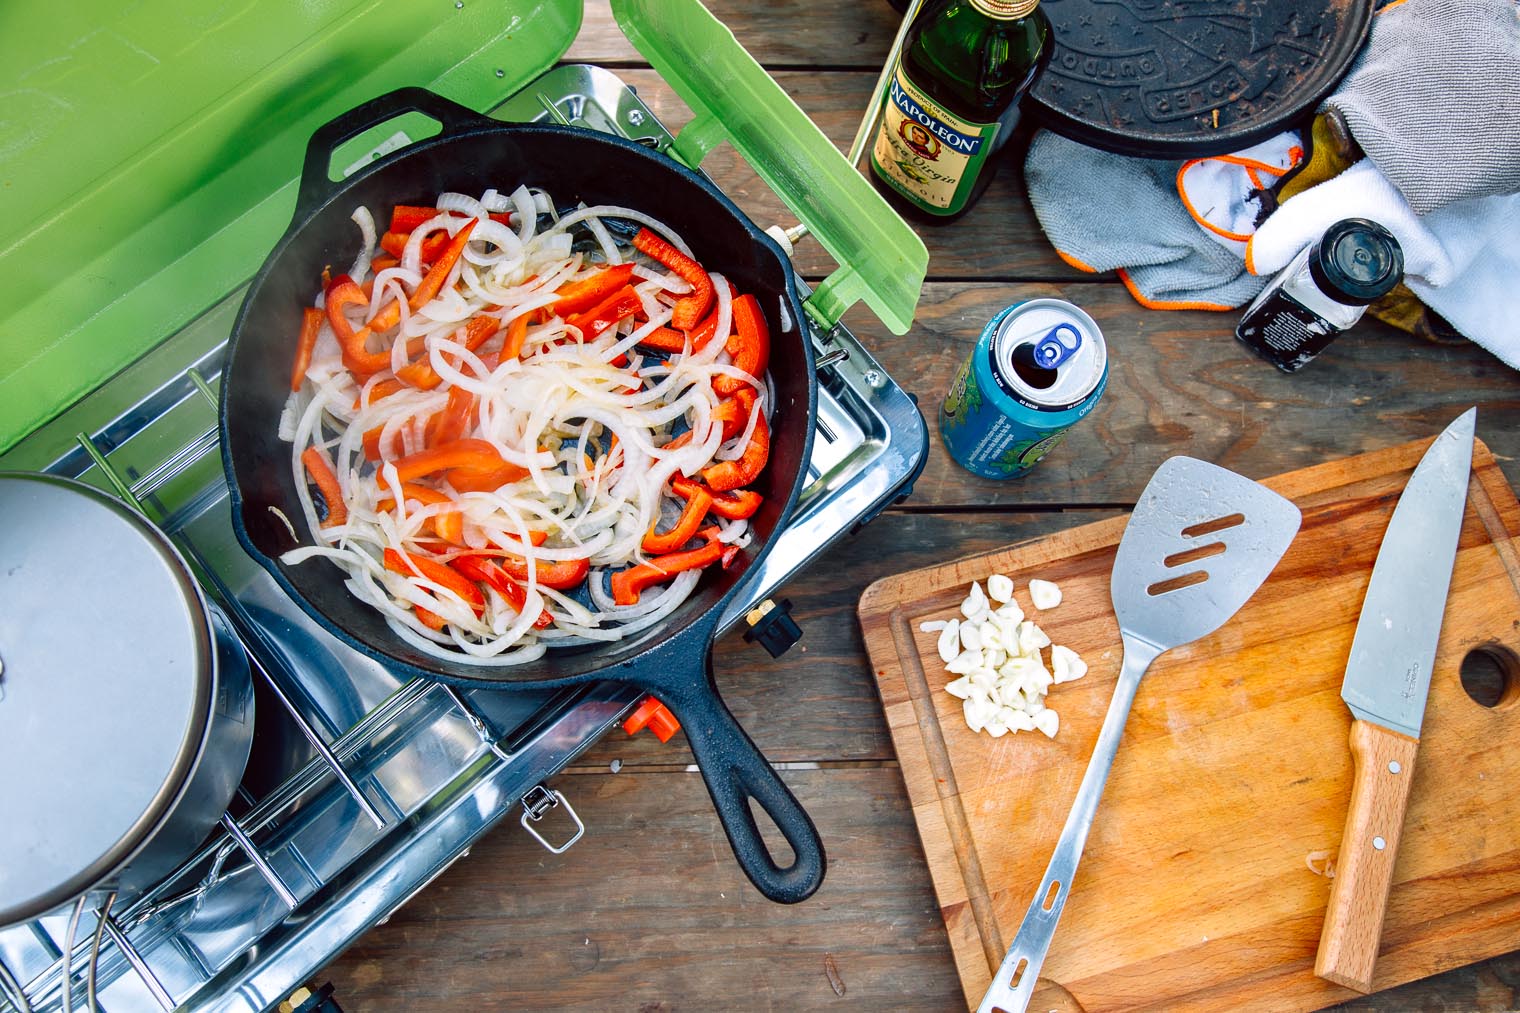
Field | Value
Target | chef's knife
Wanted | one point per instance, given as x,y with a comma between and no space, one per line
1387,677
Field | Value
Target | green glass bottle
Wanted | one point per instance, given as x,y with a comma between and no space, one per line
954,101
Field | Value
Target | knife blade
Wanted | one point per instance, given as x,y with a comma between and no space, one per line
1387,680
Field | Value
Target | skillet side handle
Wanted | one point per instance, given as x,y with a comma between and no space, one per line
735,772
316,186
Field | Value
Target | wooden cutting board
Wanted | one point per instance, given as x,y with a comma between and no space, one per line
1196,890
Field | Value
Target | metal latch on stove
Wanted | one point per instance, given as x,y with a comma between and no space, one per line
538,801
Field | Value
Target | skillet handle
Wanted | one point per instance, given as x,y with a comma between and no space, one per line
735,772
316,187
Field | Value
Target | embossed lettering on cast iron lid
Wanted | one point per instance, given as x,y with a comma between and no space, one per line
1188,78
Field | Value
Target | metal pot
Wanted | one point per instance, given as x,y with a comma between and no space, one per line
126,704
672,659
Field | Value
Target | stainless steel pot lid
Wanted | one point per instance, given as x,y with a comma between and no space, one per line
104,691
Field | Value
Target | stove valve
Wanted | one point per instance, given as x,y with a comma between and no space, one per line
772,625
655,716
308,1000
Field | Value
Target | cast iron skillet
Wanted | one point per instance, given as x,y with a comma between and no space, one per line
673,660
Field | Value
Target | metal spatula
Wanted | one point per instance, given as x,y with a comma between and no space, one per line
1199,544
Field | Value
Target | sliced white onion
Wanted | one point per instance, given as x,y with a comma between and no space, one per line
366,223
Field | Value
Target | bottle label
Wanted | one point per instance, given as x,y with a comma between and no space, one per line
1005,10
1284,331
926,154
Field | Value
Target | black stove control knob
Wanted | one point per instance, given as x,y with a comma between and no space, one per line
309,1000
772,626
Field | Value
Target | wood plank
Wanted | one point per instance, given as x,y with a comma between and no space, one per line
620,922
786,33
1180,383
1194,891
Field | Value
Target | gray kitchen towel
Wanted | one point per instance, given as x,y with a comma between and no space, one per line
1434,99
1104,212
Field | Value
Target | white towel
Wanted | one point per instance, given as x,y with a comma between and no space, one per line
1461,260
1224,193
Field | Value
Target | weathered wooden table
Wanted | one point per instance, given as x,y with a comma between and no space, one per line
649,911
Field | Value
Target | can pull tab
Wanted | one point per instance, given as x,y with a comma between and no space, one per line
1052,350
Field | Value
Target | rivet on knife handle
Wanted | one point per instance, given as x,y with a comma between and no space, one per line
1348,945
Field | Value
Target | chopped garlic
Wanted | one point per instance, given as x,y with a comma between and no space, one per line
1048,721
1044,594
1065,664
1031,638
1011,612
975,605
950,641
1002,679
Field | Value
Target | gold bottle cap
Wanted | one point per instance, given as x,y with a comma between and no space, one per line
1006,10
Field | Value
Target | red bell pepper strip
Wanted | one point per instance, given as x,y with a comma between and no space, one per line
343,292
628,584
728,475
485,570
453,422
734,412
409,217
560,574
478,455
517,335
579,296
606,313
431,620
394,243
749,346
448,525
484,479
321,472
432,282
311,325
691,519
438,573
734,506
689,308
372,450
379,392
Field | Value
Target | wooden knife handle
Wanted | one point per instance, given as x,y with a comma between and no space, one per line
1348,945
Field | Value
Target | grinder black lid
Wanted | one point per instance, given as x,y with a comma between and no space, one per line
1357,262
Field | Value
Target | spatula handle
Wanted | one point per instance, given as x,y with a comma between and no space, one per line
1348,945
1013,985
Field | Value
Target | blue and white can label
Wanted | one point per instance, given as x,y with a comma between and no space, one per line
1038,368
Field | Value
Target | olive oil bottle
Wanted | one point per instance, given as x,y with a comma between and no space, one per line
953,101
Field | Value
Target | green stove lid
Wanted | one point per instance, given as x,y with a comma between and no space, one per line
149,153
881,260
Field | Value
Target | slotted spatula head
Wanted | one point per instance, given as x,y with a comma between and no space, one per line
1199,544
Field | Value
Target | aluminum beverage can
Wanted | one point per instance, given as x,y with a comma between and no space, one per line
1038,368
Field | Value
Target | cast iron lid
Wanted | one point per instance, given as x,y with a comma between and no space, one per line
104,690
1191,78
